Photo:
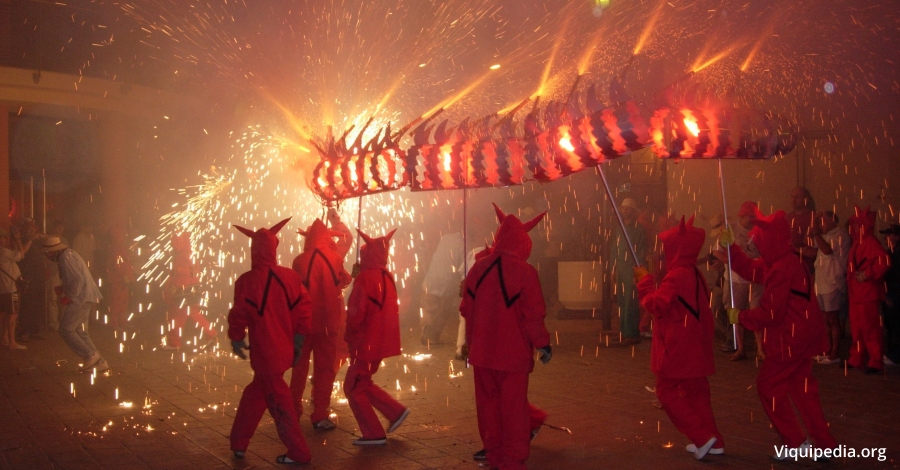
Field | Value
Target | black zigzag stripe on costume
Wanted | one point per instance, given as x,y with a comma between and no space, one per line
262,307
312,259
506,298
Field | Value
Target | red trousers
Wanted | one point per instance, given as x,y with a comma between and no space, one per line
865,328
179,316
269,391
501,401
365,397
781,382
687,402
323,347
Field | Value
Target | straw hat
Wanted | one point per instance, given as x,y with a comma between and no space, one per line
52,244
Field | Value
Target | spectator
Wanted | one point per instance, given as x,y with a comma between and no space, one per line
11,251
440,299
79,294
626,295
833,245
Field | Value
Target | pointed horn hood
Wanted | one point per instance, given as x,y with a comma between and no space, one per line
374,254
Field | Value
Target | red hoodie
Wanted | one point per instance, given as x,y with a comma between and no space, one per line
271,302
866,256
683,328
503,304
373,320
788,314
321,267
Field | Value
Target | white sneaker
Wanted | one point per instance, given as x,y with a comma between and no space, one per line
713,451
396,424
702,451
91,362
887,361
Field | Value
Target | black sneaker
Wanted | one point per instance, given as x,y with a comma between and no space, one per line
872,371
480,455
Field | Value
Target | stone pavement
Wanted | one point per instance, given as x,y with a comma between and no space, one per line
164,410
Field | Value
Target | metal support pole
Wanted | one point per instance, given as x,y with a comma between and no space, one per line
734,328
612,200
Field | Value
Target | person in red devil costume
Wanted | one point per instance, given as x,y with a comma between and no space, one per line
793,329
321,269
182,294
867,264
270,302
504,310
682,349
373,333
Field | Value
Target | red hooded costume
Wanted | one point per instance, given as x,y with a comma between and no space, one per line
867,261
682,351
322,272
373,333
793,331
504,310
270,302
183,296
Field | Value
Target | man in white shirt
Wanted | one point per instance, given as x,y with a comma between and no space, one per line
833,246
79,294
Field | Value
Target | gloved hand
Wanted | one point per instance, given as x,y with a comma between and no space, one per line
355,270
640,273
545,354
238,348
65,300
733,315
726,237
298,348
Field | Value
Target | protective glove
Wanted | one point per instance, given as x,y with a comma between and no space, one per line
640,273
65,300
726,237
733,315
298,348
545,354
238,348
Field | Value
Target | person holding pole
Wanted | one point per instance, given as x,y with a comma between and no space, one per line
682,351
794,332
625,262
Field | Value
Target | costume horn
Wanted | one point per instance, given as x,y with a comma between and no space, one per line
275,228
245,231
531,223
500,214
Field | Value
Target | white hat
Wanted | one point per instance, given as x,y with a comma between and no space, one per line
52,244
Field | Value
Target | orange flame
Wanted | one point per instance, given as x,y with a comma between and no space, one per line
645,34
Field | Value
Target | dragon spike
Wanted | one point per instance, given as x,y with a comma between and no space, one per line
531,223
277,227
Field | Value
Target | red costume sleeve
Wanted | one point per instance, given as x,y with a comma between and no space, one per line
356,314
753,270
657,300
772,305
533,312
239,315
